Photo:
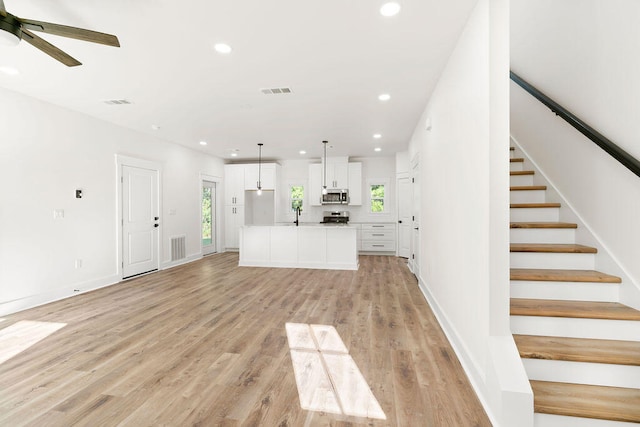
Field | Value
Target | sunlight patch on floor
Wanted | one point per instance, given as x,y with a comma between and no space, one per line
21,335
327,377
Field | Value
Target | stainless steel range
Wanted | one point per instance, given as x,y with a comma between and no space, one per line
335,217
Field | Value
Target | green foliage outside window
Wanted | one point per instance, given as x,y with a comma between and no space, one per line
377,198
206,214
297,195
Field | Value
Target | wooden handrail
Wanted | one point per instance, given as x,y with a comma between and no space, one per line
600,140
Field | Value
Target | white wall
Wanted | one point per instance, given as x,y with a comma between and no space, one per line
46,152
584,54
296,172
464,214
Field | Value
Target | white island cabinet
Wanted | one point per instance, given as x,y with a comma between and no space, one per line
332,247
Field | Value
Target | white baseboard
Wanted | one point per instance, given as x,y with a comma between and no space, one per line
31,301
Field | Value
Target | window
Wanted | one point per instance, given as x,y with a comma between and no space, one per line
296,196
377,198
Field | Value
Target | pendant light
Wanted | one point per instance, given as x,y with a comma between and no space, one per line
324,179
259,169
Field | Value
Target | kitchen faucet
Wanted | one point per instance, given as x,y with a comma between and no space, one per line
298,213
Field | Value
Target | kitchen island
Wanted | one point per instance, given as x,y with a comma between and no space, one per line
321,246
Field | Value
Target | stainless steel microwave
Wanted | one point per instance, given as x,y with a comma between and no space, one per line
335,197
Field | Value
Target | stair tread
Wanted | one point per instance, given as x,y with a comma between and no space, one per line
557,275
587,401
534,205
527,187
552,248
579,349
516,173
543,225
516,160
573,309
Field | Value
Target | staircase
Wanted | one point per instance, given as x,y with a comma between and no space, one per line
579,346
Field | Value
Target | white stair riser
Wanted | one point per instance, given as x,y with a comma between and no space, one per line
548,420
569,261
520,180
534,214
527,196
516,166
571,291
628,330
583,373
542,235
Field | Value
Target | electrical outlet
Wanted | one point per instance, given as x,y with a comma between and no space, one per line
58,213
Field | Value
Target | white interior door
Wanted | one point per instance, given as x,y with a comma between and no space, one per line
415,220
208,217
140,221
404,217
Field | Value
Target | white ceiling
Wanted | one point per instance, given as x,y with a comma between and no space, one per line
337,56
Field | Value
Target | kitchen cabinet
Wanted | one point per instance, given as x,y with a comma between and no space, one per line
340,175
378,237
337,175
233,220
234,184
315,184
267,176
355,183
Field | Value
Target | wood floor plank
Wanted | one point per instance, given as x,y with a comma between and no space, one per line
558,275
579,349
574,309
538,225
534,205
588,401
552,248
205,344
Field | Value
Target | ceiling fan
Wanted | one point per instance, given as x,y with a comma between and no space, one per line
20,29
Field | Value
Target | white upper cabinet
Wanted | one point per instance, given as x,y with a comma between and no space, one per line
340,175
267,176
355,184
315,184
234,184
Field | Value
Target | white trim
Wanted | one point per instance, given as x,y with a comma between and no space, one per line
50,296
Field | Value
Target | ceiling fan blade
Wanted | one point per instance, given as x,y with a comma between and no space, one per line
49,49
71,32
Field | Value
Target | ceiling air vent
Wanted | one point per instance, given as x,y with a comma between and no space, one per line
117,102
276,91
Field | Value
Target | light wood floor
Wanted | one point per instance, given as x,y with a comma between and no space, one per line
205,344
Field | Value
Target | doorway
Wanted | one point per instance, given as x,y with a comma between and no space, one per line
140,219
404,217
414,263
209,218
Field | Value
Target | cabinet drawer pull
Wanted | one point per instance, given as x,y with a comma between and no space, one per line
378,226
378,246
377,234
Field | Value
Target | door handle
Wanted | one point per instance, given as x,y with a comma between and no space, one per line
399,221
416,228
155,218
156,225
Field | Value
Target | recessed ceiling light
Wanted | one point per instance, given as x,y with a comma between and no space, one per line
222,48
10,71
384,97
303,152
155,127
377,149
377,136
390,9
203,142
234,154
